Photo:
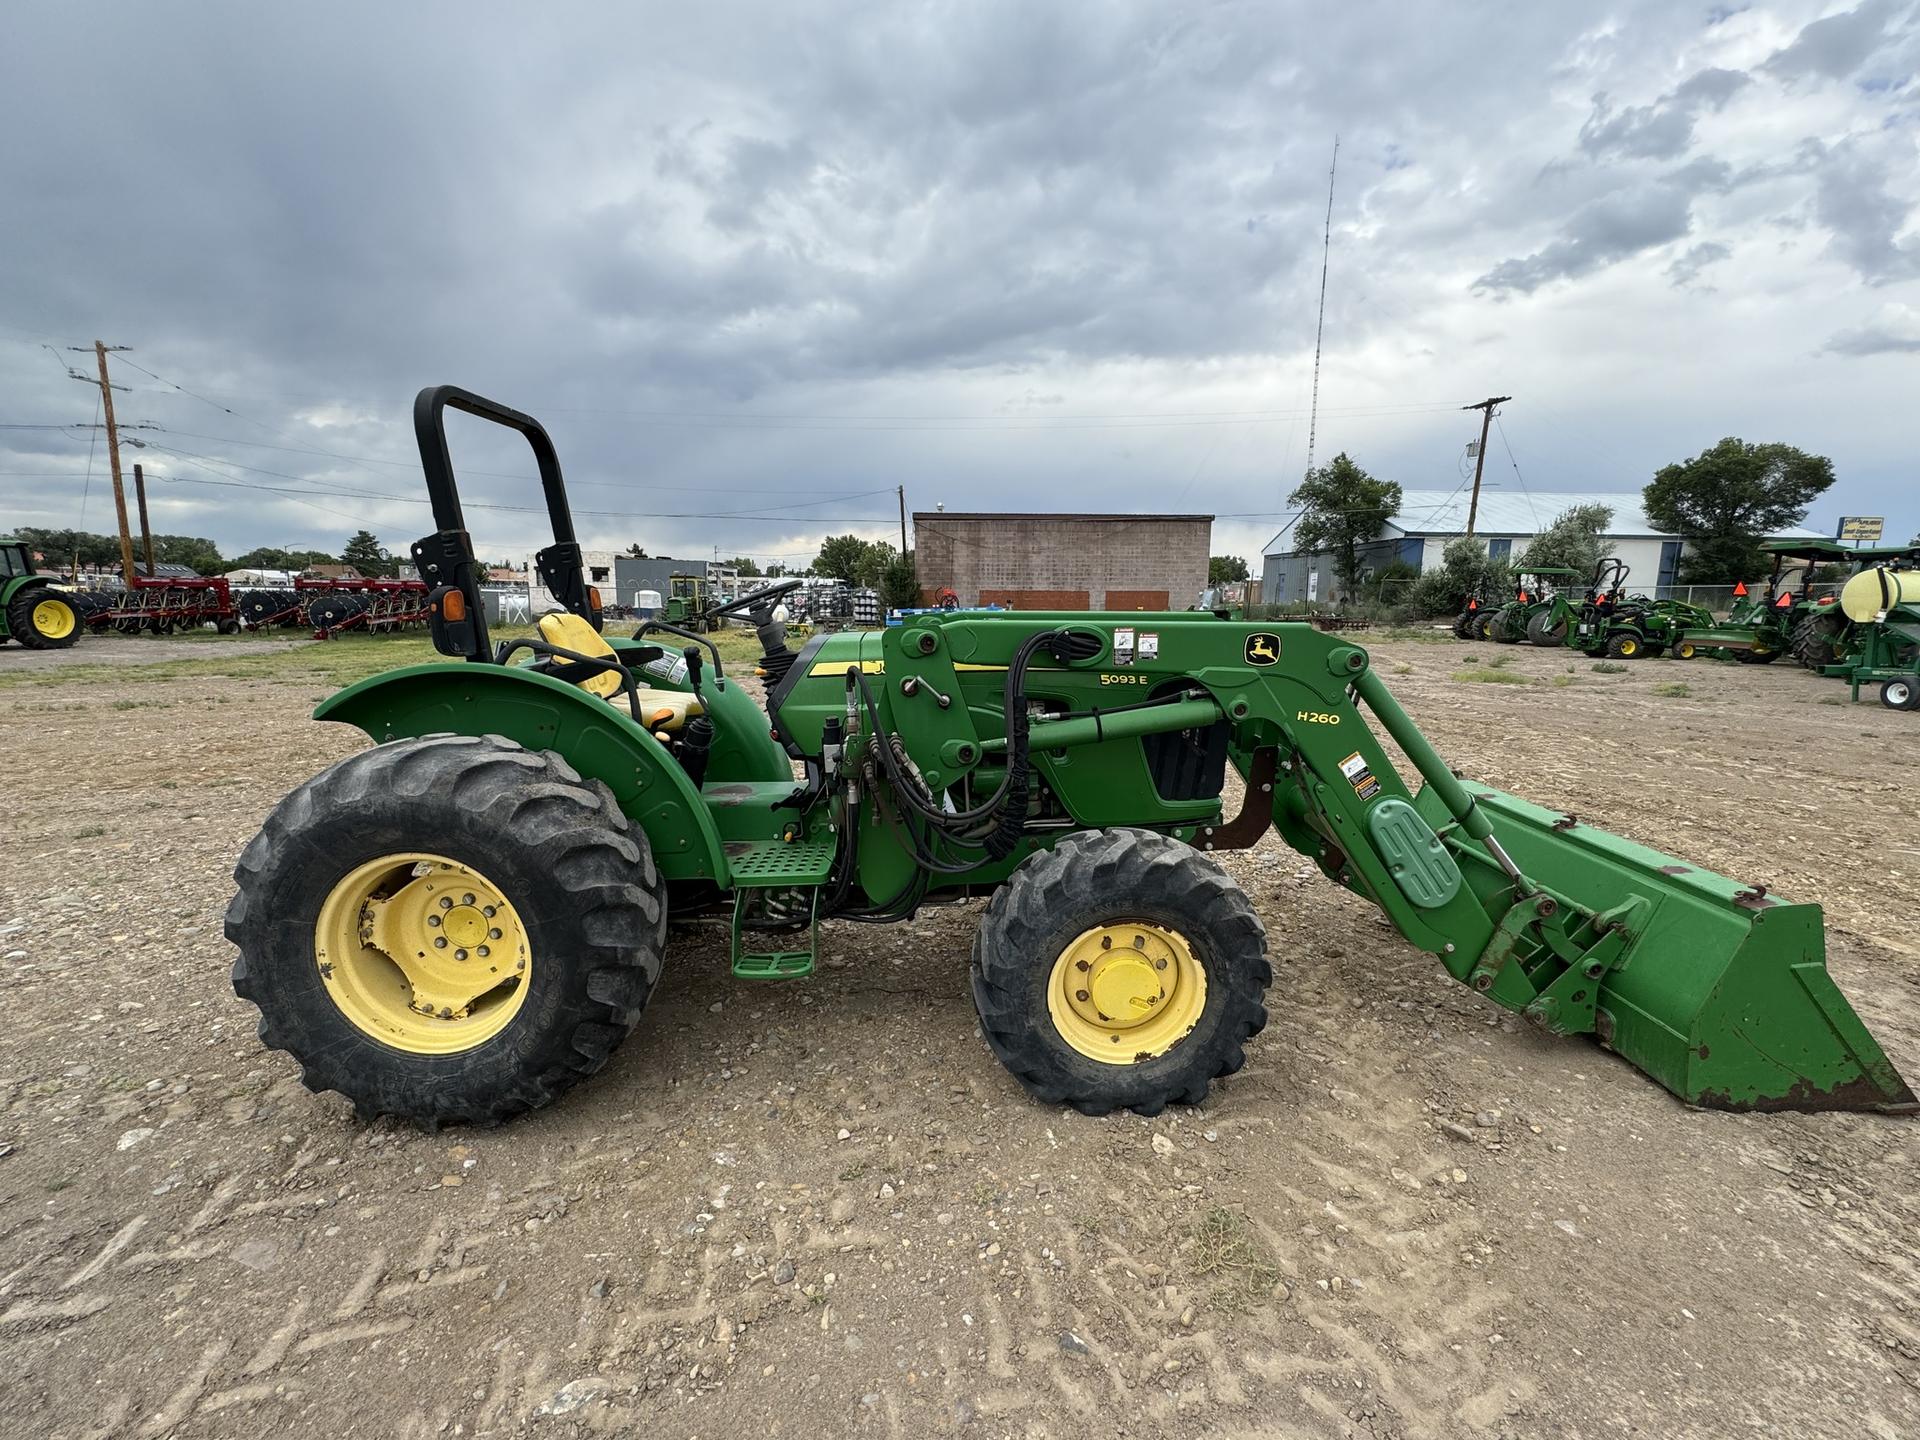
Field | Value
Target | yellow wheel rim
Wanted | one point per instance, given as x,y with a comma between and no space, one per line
52,619
1629,646
1684,651
422,953
1126,992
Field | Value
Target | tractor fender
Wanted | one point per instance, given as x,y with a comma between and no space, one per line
539,712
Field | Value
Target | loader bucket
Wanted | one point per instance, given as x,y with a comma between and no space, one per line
1721,991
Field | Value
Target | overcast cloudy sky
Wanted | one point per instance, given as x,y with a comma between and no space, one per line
753,260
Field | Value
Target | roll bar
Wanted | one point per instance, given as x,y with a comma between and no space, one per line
445,558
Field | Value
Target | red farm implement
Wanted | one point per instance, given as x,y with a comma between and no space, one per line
163,606
376,606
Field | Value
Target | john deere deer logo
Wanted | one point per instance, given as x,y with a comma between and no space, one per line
1263,648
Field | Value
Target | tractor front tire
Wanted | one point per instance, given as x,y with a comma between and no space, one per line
1105,919
544,889
42,618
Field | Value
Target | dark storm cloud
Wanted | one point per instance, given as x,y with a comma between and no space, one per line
1838,45
1663,129
1866,219
692,237
1601,232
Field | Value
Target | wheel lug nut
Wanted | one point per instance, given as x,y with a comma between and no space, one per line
439,942
466,899
446,902
1106,942
483,952
1080,995
460,954
493,934
487,910
433,919
1159,964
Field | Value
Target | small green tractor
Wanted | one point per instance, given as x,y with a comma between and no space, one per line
32,611
464,920
1621,626
1796,613
1537,591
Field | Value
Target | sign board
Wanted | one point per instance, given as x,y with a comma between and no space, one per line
1313,584
1864,528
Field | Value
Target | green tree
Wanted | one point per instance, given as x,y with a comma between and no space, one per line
1343,508
269,557
1727,499
196,552
841,557
1572,542
744,564
1465,571
366,554
899,582
1225,569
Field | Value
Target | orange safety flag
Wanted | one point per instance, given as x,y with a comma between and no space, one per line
1473,604
1741,588
1783,602
1523,598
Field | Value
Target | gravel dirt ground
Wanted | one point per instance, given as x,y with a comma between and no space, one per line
822,1209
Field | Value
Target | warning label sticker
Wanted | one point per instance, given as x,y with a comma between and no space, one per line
1149,646
1123,647
1354,767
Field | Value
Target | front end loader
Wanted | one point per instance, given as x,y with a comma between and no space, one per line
463,920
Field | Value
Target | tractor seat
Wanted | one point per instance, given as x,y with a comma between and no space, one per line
659,709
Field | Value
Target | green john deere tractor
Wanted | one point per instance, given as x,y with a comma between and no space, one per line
1536,590
687,602
1796,613
31,610
465,919
1628,627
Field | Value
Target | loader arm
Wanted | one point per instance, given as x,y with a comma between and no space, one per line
1715,988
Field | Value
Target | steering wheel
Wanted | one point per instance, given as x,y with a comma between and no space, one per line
756,598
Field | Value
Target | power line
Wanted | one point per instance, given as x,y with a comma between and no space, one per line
1320,325
224,409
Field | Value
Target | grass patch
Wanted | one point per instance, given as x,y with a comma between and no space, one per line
1673,689
1489,675
1608,667
1226,1250
141,704
1561,682
89,832
1834,700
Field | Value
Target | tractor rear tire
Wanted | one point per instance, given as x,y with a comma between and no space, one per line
1756,657
580,892
1542,629
1184,906
42,618
1463,625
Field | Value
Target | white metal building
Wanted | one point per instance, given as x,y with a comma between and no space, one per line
1418,533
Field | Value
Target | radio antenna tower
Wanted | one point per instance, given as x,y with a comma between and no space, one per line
1320,326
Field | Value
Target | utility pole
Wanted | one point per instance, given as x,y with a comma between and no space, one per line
901,491
1485,407
146,531
113,455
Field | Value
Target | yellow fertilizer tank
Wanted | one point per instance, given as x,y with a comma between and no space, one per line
1871,593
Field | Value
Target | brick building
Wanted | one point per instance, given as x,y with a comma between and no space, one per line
1063,562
